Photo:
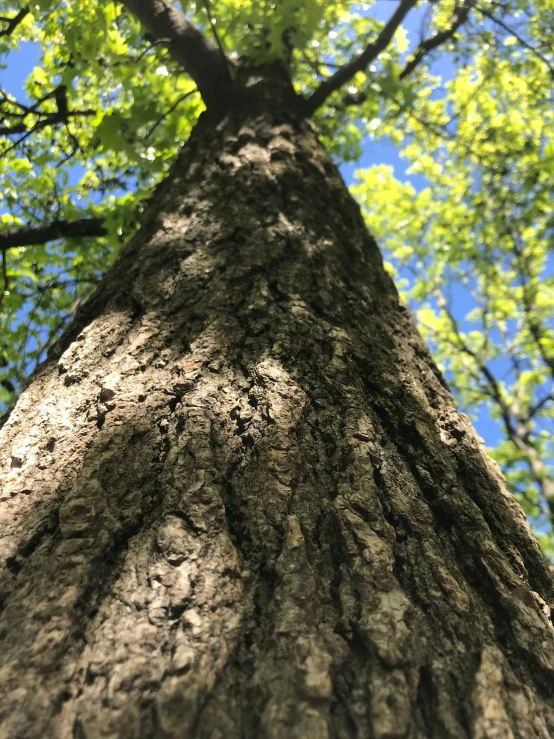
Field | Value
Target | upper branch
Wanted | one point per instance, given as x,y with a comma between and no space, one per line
198,55
32,236
427,45
360,62
50,119
13,22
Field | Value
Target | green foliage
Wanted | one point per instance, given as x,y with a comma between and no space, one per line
132,108
471,250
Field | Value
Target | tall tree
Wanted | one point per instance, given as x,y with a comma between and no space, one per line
237,498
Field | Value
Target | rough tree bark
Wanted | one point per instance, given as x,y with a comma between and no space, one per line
238,500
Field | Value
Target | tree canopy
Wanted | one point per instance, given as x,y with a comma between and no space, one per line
462,87
474,250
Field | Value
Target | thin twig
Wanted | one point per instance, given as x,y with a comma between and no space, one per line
170,110
519,38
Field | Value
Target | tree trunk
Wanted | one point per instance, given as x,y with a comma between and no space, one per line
238,500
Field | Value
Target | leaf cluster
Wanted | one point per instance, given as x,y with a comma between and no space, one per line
472,249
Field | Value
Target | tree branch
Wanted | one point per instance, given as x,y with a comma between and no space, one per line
215,34
13,22
50,119
170,110
199,56
539,405
32,236
518,38
5,276
533,323
518,434
427,45
360,62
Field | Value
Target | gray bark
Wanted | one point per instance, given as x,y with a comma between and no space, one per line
238,500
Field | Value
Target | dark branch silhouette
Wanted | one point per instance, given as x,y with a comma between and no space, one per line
35,235
360,62
49,119
13,22
433,42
